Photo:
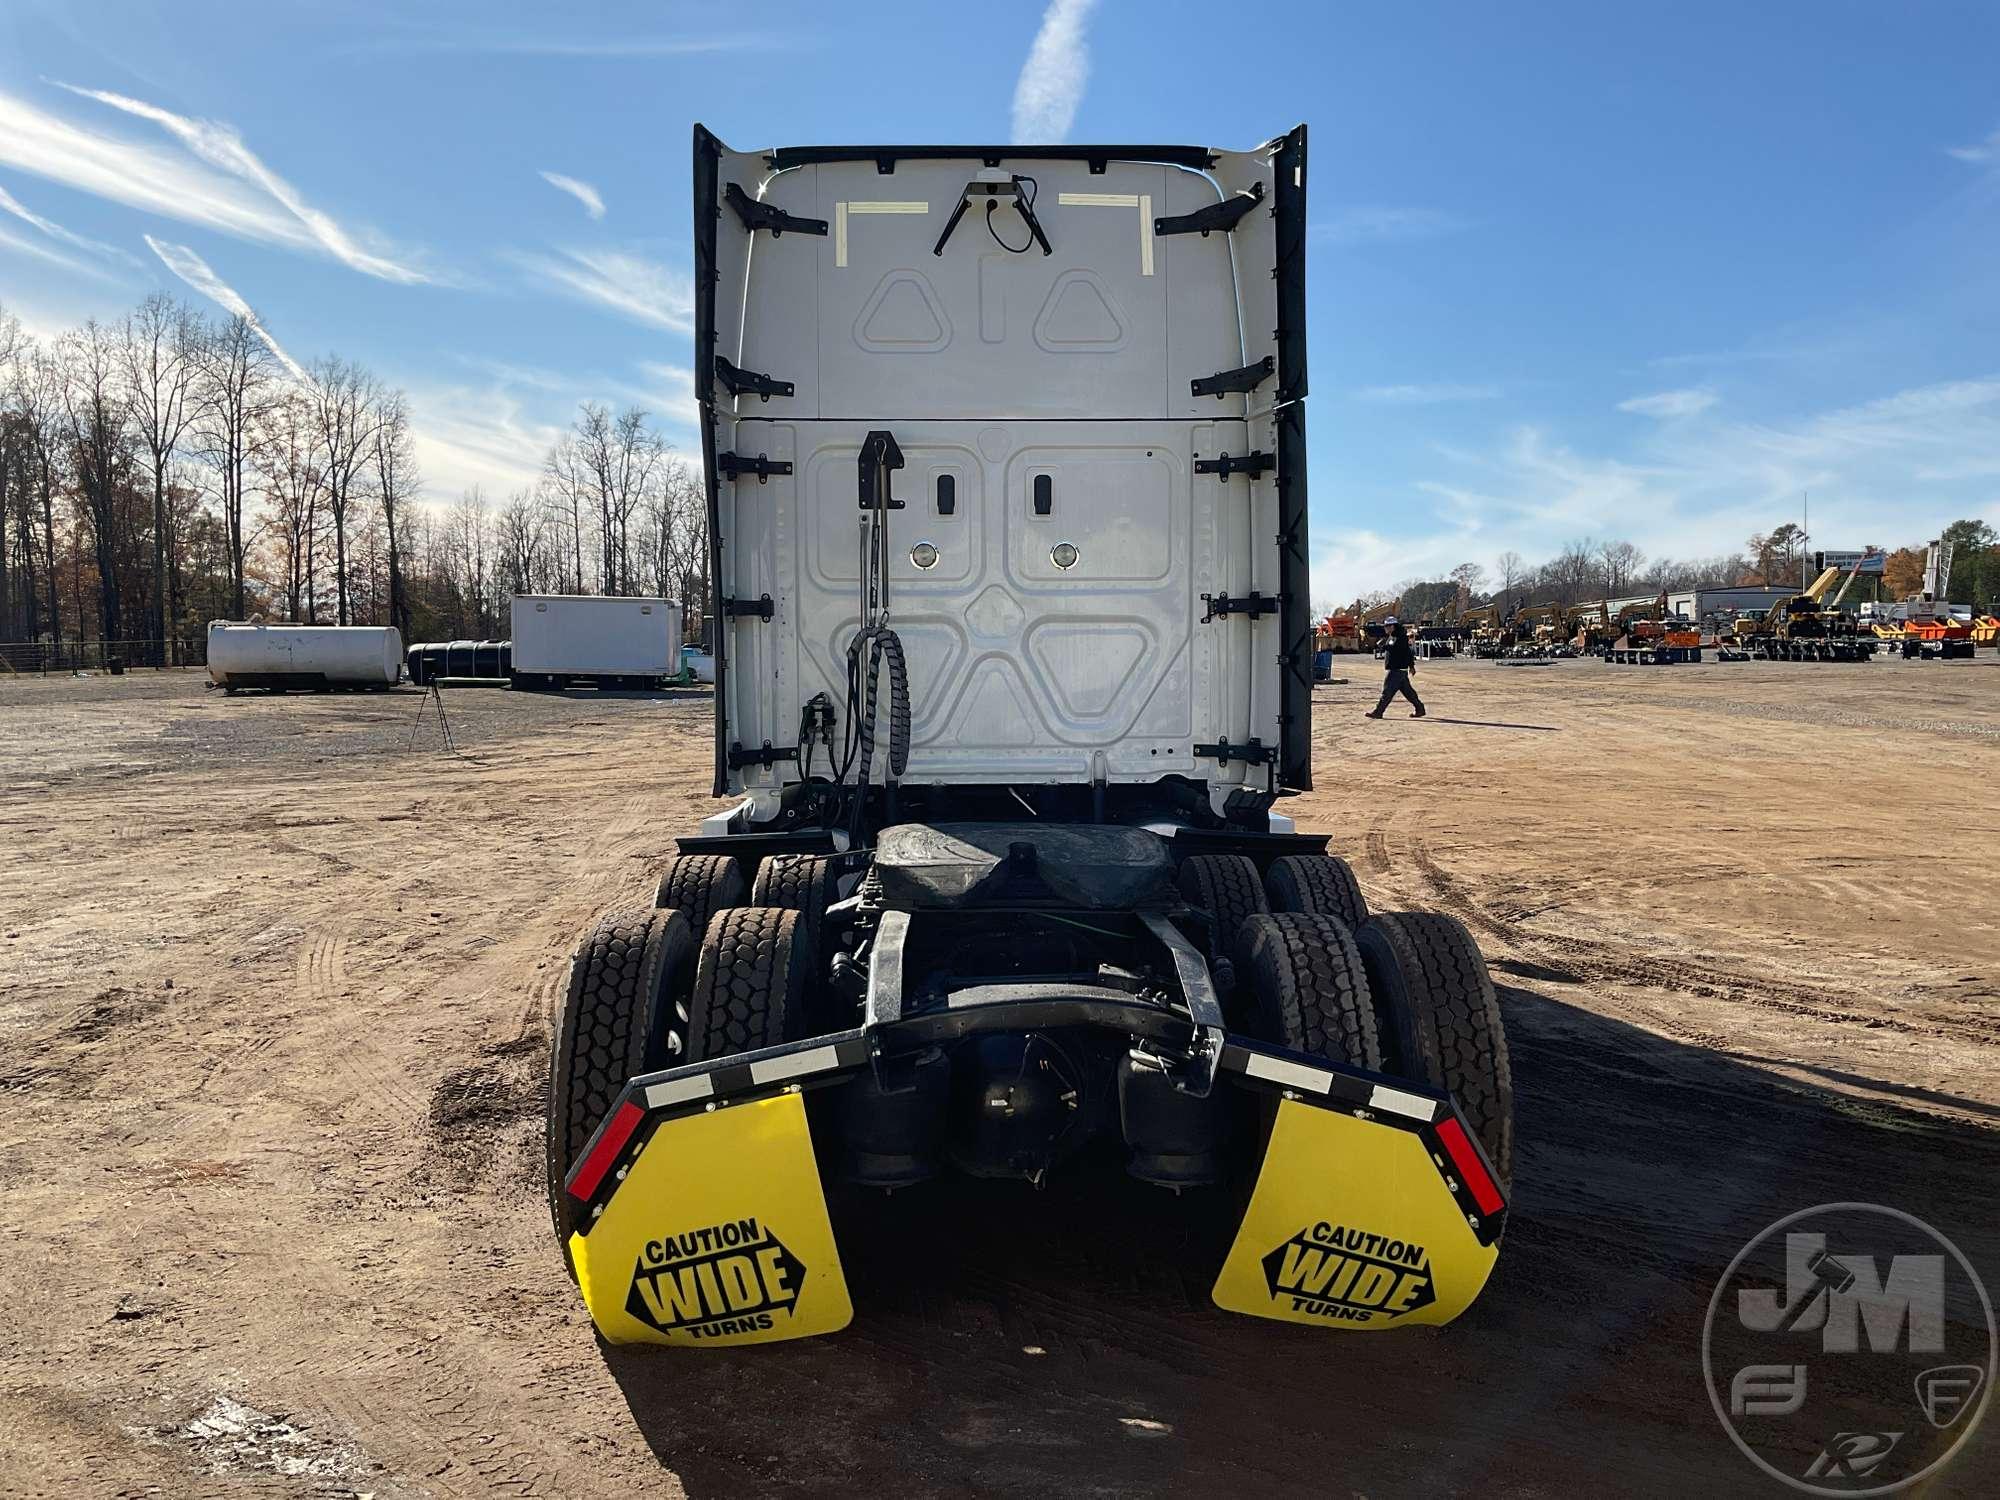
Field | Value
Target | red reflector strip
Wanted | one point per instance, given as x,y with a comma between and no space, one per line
586,1178
1471,1170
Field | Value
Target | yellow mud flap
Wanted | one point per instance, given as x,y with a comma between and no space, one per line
717,1235
1357,1223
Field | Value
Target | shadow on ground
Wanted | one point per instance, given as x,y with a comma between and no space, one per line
1012,1341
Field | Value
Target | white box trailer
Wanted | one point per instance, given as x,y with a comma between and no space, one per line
561,640
1004,456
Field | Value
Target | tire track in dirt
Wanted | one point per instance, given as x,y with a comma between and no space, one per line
1581,960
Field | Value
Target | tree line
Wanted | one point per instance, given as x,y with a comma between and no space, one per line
1588,569
169,469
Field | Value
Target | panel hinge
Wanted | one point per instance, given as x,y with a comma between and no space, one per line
736,609
756,215
739,757
1253,752
1223,215
740,380
1252,463
1252,604
734,464
1224,382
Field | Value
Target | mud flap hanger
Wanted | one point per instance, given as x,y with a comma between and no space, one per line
1367,1098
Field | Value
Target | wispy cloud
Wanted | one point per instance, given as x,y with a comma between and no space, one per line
673,395
1426,395
1982,153
220,146
1697,489
1050,87
583,192
139,176
632,286
40,250
492,42
1669,404
10,204
198,274
1384,223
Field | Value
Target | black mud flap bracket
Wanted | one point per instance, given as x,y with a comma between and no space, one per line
740,380
735,465
1252,752
1228,382
765,756
1252,463
1225,215
1253,604
756,215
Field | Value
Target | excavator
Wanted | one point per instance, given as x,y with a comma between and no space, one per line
1806,627
1373,630
1543,630
1652,637
1482,631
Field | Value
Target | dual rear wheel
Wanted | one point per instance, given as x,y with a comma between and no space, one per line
715,967
1402,993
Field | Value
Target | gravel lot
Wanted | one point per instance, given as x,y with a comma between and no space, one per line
274,1000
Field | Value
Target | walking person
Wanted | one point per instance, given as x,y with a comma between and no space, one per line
1399,663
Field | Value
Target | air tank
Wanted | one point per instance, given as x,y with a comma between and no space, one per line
304,656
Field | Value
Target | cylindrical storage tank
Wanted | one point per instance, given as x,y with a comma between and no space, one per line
304,655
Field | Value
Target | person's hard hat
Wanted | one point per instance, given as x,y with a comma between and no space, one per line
1390,621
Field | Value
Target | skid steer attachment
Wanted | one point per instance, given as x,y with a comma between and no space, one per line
1005,467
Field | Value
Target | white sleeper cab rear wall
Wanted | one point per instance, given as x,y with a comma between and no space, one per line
1097,560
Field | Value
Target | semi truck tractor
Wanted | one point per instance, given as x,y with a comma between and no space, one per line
1005,459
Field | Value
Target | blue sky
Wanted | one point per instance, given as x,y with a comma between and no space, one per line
1643,270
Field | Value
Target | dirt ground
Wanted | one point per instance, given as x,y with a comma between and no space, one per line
275,989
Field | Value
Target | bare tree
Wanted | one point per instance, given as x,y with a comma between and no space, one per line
1569,573
1510,570
38,403
287,459
237,387
161,357
623,457
96,427
1621,562
344,415
396,480
566,483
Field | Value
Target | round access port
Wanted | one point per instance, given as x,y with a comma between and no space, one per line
924,555
1063,555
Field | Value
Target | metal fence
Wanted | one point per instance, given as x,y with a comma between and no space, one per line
40,658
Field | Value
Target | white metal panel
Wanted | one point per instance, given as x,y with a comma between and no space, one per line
591,635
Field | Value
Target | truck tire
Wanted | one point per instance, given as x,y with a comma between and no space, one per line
617,1014
796,882
1227,888
749,983
1317,883
699,886
1440,1020
1308,987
